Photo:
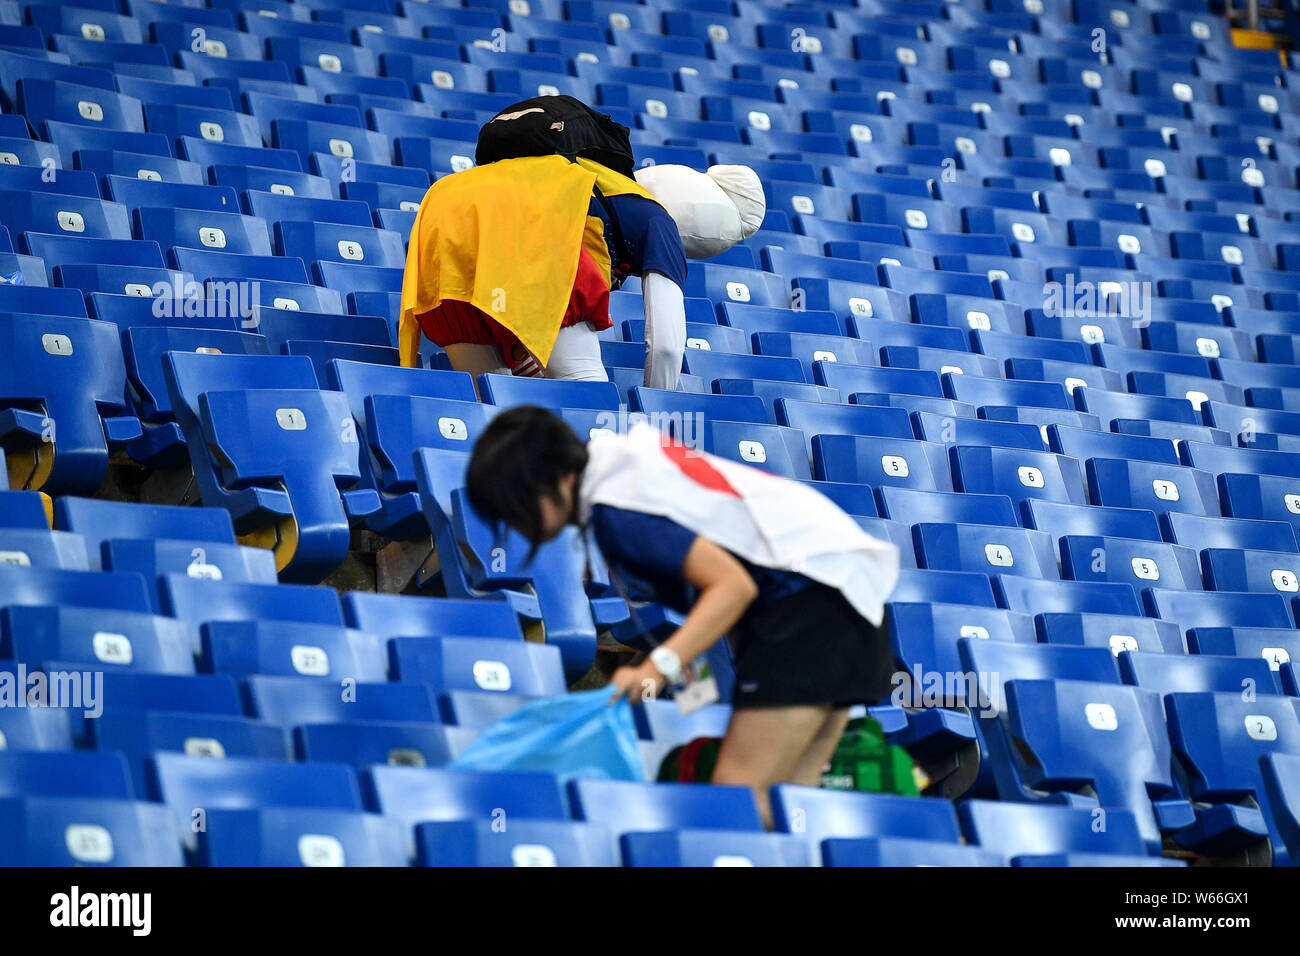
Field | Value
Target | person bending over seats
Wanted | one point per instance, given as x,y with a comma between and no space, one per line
510,263
797,583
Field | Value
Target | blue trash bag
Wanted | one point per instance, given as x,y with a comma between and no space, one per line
575,735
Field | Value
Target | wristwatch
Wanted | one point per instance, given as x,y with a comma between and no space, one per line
666,662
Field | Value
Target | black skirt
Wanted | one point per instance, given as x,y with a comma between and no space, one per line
810,647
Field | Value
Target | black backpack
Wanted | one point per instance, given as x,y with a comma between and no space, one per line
556,125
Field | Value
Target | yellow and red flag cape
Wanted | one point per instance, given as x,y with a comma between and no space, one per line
505,238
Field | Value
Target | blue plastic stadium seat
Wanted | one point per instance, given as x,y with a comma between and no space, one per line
523,843
143,642
1037,835
188,784
1220,739
691,847
197,600
486,664
624,807
300,836
292,701
86,831
418,795
818,814
287,648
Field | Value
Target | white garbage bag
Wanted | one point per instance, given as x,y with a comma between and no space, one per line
713,210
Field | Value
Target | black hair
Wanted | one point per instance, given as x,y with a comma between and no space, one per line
520,458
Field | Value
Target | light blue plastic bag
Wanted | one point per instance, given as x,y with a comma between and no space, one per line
576,735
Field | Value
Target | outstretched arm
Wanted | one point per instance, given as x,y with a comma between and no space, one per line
725,591
665,330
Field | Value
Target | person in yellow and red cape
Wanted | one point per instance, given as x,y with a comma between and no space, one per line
510,263
508,269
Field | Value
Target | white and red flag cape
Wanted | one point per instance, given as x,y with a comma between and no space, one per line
767,520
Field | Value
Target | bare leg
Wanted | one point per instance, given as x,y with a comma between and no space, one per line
476,359
765,745
809,770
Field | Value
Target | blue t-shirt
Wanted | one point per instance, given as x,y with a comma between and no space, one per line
647,553
650,235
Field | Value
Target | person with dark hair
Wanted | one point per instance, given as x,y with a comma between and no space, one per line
794,580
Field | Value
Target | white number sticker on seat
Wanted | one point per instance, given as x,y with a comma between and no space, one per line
1022,232
1092,334
139,289
351,250
88,843
977,631
895,465
212,237
861,306
1030,476
285,303
1260,727
1284,580
1122,642
824,355
152,175
461,163
1091,79
1207,347
111,648
753,451
803,204
209,747
1145,568
92,31
698,343
56,344
1101,716
1276,657
212,132
1165,489
656,108
492,675
341,148
330,63
1292,503
727,859
760,120
916,219
979,320
320,849
532,854
1232,255
406,757
310,661
1128,243
70,221
453,429
442,79
90,110
718,33
860,132
18,559
999,555
215,48
737,292
291,419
